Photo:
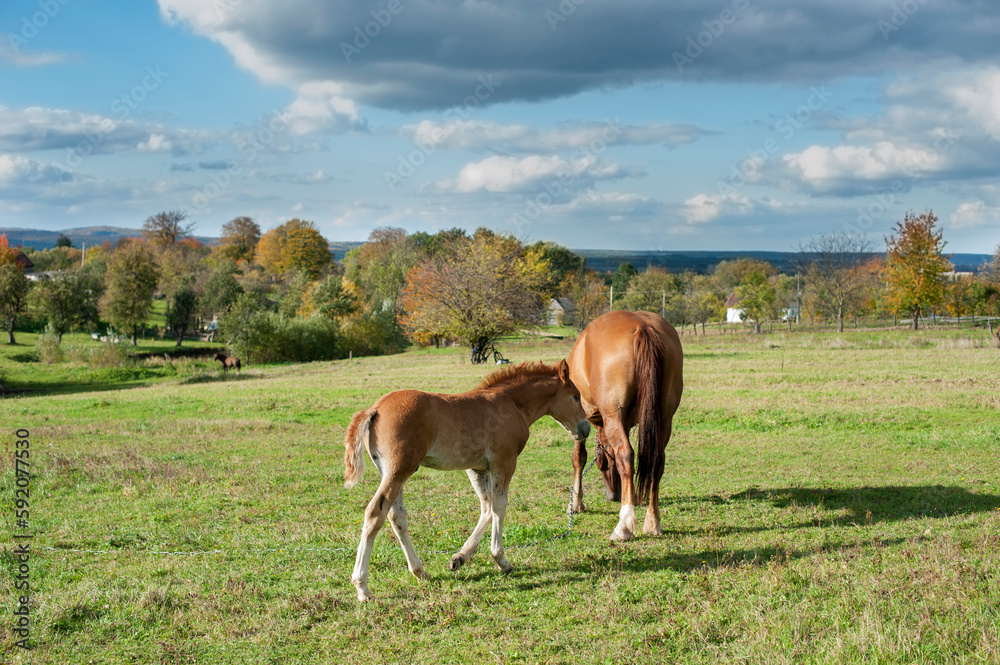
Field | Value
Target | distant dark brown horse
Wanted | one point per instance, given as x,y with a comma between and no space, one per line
628,368
228,362
482,431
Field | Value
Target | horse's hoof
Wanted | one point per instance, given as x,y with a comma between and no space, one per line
456,562
612,496
576,510
419,572
621,535
364,594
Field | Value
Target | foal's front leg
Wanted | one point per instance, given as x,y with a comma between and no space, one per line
482,484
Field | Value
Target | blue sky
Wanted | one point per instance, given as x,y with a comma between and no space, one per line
730,125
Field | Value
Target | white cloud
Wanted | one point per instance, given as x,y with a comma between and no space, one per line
703,208
19,170
974,213
155,143
593,137
510,174
320,107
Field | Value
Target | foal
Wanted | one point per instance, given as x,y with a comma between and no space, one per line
482,431
228,362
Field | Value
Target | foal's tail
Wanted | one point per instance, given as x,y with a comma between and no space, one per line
649,376
354,446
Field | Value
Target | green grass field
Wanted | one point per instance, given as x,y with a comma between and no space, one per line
827,498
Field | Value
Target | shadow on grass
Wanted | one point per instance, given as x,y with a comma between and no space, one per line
216,377
868,505
714,559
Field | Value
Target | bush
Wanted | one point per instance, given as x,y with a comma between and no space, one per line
48,346
372,334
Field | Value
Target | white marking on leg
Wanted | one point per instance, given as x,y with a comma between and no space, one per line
626,523
496,542
397,518
482,484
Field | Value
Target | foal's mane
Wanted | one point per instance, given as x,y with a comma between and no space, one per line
512,373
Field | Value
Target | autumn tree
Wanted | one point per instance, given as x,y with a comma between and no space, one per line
13,296
589,295
914,268
129,286
655,290
8,254
729,274
295,245
165,229
831,264
68,301
704,301
239,239
960,296
485,289
380,266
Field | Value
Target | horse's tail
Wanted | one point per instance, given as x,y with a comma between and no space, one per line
354,446
649,376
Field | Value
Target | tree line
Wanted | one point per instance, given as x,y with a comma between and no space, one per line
280,296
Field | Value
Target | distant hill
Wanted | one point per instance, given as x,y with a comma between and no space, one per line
703,262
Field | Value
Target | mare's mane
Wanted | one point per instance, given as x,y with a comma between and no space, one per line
513,373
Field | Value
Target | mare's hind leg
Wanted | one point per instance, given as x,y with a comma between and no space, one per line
605,461
375,514
619,446
481,483
397,518
651,524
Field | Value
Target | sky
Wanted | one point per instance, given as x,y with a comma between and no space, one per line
634,124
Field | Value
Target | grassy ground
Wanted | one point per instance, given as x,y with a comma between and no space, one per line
827,498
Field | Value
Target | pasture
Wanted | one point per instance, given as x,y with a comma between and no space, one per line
827,499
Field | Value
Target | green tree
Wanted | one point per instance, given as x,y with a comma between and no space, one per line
130,282
181,308
63,241
915,267
247,326
328,298
221,289
68,301
379,267
13,297
757,297
729,274
621,278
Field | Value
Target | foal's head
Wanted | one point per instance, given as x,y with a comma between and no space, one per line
565,407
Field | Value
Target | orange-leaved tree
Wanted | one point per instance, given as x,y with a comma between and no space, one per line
914,265
486,288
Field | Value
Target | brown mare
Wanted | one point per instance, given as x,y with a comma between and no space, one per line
482,431
228,362
627,366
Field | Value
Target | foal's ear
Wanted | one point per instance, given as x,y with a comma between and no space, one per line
563,371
